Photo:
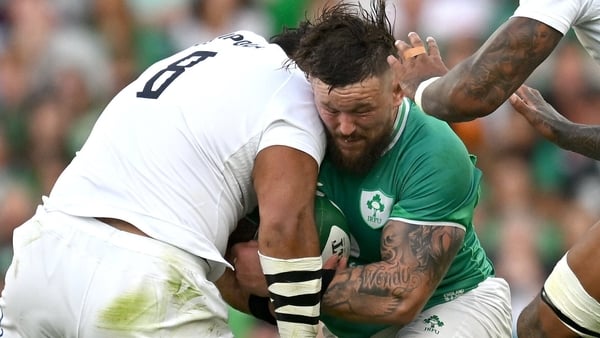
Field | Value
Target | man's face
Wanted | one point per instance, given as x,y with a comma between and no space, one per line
359,120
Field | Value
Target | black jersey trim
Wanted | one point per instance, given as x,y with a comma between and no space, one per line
564,318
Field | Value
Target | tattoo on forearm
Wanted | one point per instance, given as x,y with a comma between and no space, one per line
582,139
431,245
412,257
503,63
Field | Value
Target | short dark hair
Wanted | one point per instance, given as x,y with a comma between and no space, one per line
289,38
345,44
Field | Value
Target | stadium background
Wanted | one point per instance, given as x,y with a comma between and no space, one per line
62,60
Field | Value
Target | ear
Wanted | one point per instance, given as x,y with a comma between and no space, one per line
397,92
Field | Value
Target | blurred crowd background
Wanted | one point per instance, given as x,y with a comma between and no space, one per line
62,60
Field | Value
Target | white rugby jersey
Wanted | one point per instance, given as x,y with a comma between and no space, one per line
173,152
582,15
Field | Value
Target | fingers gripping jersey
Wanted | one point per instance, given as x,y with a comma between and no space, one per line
174,151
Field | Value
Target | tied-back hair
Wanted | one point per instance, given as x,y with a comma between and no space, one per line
345,44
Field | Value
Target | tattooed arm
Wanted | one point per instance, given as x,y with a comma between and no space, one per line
394,291
481,83
580,138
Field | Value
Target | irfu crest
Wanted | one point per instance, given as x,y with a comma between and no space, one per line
375,208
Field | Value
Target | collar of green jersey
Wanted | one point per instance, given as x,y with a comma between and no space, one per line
400,122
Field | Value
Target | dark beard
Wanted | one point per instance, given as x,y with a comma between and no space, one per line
362,164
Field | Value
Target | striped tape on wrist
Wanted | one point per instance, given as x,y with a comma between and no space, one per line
294,286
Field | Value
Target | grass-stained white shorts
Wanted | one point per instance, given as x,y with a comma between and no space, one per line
78,277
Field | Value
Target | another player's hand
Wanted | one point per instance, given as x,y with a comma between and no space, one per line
416,63
540,114
248,270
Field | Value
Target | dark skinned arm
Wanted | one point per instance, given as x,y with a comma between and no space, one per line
285,180
580,138
538,319
232,292
414,260
478,85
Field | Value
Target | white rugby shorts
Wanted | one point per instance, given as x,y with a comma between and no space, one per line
484,312
78,277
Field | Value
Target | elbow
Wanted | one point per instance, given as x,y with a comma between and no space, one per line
405,316
409,308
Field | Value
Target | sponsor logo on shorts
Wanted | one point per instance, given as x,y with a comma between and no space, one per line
452,295
433,323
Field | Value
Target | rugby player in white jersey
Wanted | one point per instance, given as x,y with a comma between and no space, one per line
134,232
569,303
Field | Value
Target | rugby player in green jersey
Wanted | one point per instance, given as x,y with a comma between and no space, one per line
569,303
408,188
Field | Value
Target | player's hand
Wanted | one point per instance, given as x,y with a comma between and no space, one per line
540,114
248,270
335,262
416,63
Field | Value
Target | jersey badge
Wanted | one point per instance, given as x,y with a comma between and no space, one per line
375,208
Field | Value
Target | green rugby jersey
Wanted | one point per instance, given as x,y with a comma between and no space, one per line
426,176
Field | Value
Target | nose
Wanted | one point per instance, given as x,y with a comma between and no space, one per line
346,125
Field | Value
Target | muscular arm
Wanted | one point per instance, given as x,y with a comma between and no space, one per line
481,83
285,180
584,260
538,319
414,260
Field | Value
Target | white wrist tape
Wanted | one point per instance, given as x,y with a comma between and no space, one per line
298,281
568,295
421,89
